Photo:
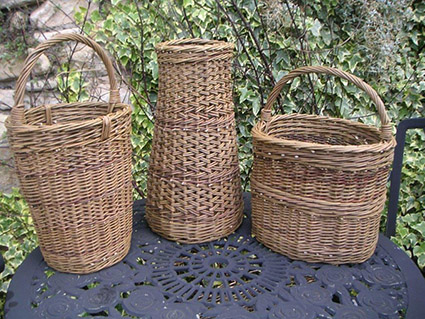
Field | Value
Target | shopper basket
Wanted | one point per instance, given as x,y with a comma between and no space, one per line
319,183
74,165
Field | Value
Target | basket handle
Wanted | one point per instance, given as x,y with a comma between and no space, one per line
386,132
17,113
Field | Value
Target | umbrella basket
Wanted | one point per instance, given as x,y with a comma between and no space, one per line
194,190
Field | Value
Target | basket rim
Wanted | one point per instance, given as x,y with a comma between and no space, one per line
194,45
258,133
25,128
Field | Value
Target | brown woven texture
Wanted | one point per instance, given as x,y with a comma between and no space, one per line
319,183
194,190
74,165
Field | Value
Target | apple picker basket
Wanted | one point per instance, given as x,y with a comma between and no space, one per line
319,183
74,165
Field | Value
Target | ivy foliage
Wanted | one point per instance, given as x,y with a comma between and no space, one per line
381,42
17,236
71,84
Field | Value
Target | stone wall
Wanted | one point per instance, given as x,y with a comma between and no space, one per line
41,20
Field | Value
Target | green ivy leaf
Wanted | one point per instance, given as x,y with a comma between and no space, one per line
420,228
256,106
402,231
315,29
421,261
95,16
108,24
188,3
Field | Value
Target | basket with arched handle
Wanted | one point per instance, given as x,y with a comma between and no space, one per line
319,183
73,161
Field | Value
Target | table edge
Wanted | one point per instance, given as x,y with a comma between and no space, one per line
415,281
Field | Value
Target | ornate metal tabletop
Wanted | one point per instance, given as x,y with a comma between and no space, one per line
232,278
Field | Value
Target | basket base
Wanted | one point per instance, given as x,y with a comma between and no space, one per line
203,231
328,256
88,262
301,235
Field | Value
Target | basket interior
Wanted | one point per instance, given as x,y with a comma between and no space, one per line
69,112
191,46
193,42
322,130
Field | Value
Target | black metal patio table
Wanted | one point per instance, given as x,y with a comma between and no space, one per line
232,278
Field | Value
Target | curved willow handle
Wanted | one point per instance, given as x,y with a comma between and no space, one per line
386,133
17,113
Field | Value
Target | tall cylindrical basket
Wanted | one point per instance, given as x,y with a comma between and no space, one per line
74,166
194,191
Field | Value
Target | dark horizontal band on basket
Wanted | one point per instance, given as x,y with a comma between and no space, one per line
172,176
324,162
93,166
82,201
202,124
359,209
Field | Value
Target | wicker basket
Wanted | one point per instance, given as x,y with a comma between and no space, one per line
319,183
194,191
74,165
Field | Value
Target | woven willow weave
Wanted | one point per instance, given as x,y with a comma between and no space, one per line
194,191
74,165
319,183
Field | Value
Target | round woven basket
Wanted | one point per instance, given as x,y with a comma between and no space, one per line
194,190
319,183
74,166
